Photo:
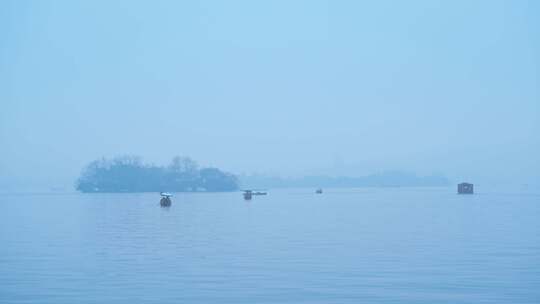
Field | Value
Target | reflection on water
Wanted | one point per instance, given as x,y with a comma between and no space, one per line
291,246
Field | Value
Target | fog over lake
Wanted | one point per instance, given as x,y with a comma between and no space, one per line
269,151
280,88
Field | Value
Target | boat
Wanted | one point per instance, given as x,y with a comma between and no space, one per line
318,191
249,193
165,200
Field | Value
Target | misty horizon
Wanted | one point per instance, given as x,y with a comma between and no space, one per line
277,151
337,171
345,88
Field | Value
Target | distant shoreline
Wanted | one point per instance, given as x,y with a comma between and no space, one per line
391,179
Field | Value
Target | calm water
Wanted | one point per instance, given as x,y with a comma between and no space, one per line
390,245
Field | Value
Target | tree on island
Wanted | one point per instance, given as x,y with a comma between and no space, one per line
130,174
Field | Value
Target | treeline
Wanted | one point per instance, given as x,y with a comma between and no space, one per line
130,174
384,179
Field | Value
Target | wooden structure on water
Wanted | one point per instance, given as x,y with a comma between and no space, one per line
465,188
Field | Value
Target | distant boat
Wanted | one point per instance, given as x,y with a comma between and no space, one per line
248,194
318,191
165,200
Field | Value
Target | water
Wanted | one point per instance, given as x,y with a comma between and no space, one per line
393,245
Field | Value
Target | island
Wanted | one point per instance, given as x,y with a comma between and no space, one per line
131,174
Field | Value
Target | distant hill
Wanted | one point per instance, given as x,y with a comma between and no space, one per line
130,174
386,179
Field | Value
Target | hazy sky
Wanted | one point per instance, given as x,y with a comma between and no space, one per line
283,87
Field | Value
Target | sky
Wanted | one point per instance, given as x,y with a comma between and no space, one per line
287,88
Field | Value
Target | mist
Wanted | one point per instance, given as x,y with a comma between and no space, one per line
285,88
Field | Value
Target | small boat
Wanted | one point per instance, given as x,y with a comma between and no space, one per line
318,191
249,193
165,200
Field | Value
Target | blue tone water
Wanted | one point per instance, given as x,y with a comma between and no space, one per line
392,245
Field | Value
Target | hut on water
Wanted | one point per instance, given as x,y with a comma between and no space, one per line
465,188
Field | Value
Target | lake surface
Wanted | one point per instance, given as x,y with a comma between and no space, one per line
386,245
